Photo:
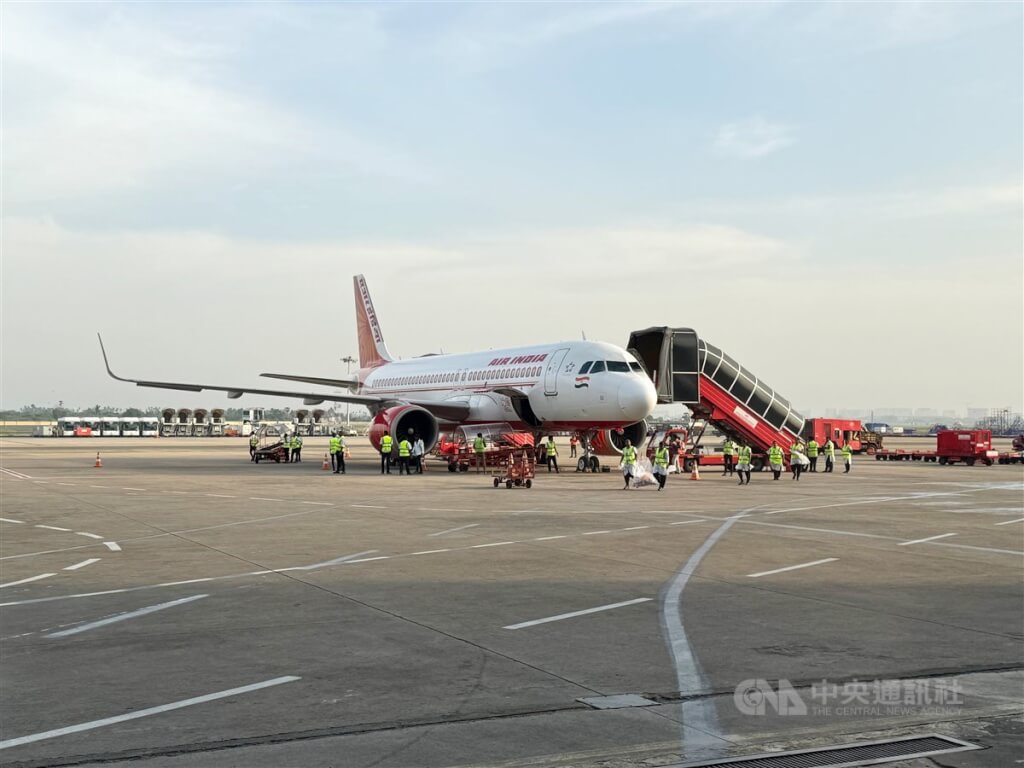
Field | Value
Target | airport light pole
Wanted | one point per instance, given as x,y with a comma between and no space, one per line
348,360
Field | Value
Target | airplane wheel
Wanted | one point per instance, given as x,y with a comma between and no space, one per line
496,482
581,465
529,483
595,464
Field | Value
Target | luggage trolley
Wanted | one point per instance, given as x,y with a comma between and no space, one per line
516,467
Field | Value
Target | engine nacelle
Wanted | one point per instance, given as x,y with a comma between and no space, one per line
404,421
610,442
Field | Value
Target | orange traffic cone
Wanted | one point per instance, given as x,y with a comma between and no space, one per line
695,474
99,461
327,464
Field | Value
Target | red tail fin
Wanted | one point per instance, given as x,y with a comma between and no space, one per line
372,349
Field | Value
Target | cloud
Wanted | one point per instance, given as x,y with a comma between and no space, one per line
109,99
753,137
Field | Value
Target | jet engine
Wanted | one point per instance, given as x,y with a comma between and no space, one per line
404,421
610,442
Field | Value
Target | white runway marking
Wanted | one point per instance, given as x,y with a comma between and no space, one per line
97,486
16,475
82,564
495,544
453,530
636,528
133,489
431,551
326,563
595,533
366,506
687,522
262,498
319,503
9,520
1008,522
113,546
144,712
26,581
188,581
53,528
125,616
922,541
574,614
88,535
435,509
550,538
369,559
70,484
220,496
792,567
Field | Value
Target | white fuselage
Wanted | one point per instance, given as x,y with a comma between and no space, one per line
562,391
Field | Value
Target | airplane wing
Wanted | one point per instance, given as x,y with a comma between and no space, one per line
343,383
453,411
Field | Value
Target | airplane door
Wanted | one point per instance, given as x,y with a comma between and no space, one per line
551,372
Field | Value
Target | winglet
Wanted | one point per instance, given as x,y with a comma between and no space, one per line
106,362
372,349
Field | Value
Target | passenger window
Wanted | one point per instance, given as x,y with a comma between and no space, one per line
598,367
585,367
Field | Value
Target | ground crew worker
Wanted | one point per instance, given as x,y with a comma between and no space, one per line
775,460
661,464
573,442
479,446
418,449
847,457
628,462
296,448
796,460
254,442
830,455
552,454
334,447
728,452
386,445
404,452
812,454
743,465
287,445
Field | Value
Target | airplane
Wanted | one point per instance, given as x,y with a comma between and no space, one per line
596,389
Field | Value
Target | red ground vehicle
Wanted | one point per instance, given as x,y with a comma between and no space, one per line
841,432
516,467
952,445
458,453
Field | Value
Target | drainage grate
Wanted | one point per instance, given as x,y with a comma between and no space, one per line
847,755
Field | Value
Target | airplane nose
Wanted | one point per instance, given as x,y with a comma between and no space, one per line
637,398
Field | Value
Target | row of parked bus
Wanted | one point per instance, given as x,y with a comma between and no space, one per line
108,426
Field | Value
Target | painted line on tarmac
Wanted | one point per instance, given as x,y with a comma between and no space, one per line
82,564
493,544
366,506
319,503
431,551
792,568
219,496
370,559
53,528
550,538
88,535
262,498
435,509
15,475
1008,522
113,546
26,581
636,528
453,530
9,520
922,541
124,617
594,533
55,733
574,614
133,489
687,522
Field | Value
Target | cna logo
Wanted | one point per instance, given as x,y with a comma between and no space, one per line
582,382
759,697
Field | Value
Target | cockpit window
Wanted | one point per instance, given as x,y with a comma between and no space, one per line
617,366
598,367
636,367
585,367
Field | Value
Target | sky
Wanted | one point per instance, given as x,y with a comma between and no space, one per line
832,193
